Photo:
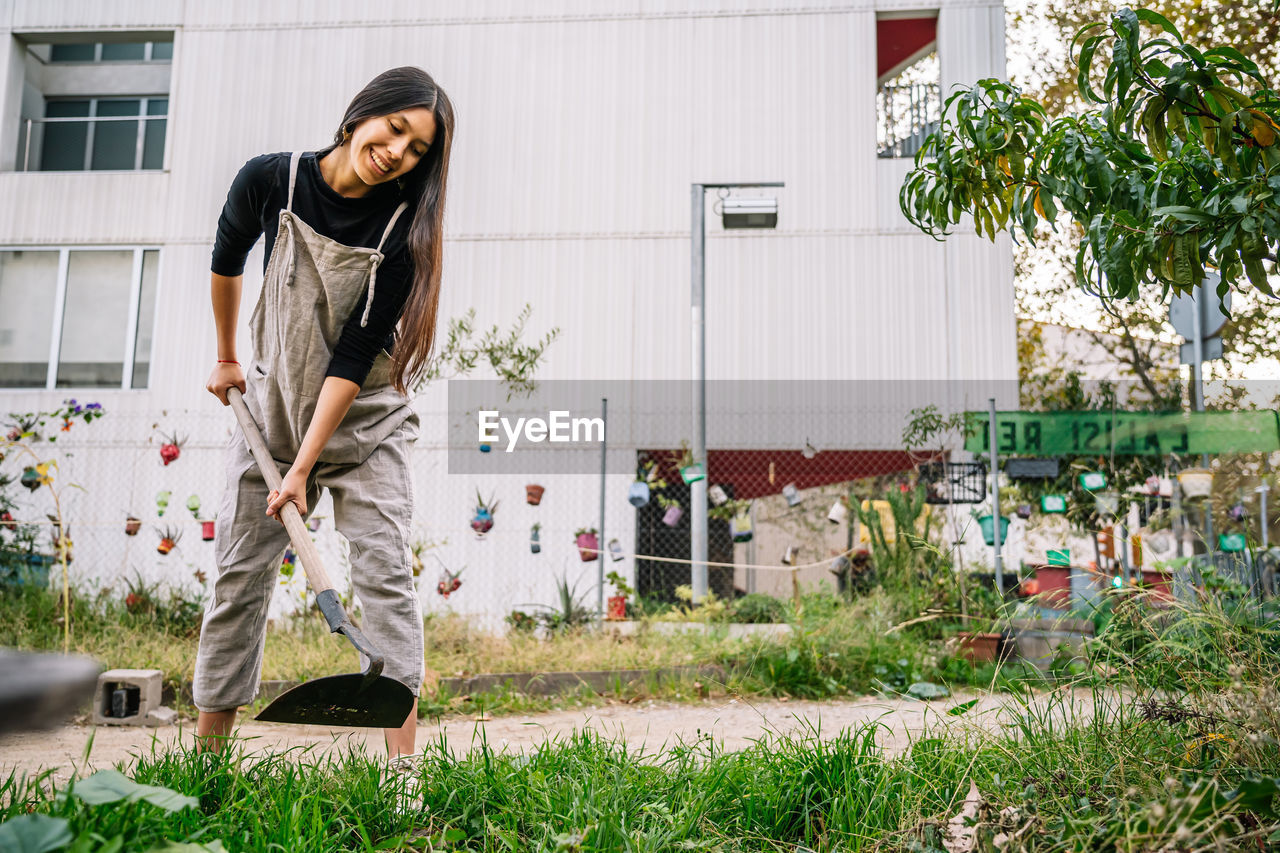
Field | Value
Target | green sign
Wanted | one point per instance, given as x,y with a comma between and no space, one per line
1125,433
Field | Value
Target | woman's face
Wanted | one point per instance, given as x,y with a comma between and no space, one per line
384,148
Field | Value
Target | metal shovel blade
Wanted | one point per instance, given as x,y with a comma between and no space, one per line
343,700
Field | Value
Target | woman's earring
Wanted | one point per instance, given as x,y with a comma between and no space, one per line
346,134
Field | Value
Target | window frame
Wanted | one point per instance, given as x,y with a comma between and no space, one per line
148,48
58,317
93,119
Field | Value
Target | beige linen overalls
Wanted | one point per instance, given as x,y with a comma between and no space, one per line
311,286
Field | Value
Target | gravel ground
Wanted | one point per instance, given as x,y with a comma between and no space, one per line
653,726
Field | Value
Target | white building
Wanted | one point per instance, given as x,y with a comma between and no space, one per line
581,126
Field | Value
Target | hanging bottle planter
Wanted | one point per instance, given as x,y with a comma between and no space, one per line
638,494
1108,503
617,611
1091,481
482,521
169,538
193,504
615,550
535,545
693,472
1024,511
313,523
588,544
740,526
1237,512
7,522
30,478
172,448
1232,543
839,512
206,530
1058,557
673,515
789,555
989,529
1053,504
792,494
1196,482
717,495
132,526
449,583
162,502
533,494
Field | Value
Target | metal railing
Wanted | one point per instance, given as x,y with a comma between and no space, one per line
28,126
905,116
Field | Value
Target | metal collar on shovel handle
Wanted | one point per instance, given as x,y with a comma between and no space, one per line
370,699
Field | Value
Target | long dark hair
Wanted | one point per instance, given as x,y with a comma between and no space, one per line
424,188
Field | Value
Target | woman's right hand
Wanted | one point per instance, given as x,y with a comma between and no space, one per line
223,377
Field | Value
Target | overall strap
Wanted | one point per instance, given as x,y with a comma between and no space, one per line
375,259
293,178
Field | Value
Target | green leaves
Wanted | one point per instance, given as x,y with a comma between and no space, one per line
1166,173
34,833
111,786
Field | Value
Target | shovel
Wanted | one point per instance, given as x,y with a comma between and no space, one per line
369,699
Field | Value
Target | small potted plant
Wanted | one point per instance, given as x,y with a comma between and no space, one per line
740,524
792,494
533,494
1196,482
207,531
717,495
535,546
169,537
449,583
162,501
618,601
171,449
839,511
647,480
482,521
587,539
691,471
672,511
132,524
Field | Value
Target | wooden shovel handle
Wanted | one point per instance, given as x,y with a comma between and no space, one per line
298,535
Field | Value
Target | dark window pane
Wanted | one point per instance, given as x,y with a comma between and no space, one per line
115,143
62,149
162,50
71,53
132,52
153,145
158,106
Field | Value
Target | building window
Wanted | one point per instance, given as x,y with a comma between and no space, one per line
77,318
93,105
908,98
98,134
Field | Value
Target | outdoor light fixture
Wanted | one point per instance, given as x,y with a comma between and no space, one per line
737,212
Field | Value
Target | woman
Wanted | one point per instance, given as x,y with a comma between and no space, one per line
355,237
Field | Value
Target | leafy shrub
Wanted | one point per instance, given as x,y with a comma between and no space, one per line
757,608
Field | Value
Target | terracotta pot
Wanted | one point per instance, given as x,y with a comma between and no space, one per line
588,547
1055,586
533,494
978,648
1160,583
206,531
165,546
132,526
617,608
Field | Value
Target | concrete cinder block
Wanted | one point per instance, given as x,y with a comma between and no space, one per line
125,697
162,717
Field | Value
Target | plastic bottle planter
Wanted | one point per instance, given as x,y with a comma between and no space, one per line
168,540
1231,542
171,449
693,473
485,448
792,494
1196,482
132,526
313,524
30,478
533,494
989,529
1058,557
638,494
535,545
672,516
588,547
482,522
162,502
1024,511
1091,481
617,608
1237,513
789,555
717,495
1108,503
615,550
839,512
206,530
740,527
1053,504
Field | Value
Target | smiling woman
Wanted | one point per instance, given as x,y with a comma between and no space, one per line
344,323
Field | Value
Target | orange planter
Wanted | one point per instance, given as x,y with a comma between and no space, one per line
533,494
617,608
978,648
1160,583
1055,585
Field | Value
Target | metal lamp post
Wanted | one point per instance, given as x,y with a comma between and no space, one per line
736,213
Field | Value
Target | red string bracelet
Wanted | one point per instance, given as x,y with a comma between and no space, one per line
227,361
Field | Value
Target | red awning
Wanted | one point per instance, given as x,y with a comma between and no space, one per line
748,471
901,41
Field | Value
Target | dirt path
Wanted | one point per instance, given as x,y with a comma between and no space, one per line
735,723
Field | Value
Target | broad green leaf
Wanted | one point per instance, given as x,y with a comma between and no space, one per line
214,846
962,708
111,786
34,833
928,690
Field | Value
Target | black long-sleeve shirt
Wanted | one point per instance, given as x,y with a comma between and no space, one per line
253,206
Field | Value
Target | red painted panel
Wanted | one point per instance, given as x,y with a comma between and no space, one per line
748,470
898,38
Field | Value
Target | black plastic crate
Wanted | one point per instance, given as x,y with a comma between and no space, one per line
953,482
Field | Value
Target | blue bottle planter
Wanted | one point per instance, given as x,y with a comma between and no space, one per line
989,530
638,494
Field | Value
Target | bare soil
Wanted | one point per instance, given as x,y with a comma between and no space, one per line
734,723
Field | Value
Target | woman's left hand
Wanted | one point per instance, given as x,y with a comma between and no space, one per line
294,488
